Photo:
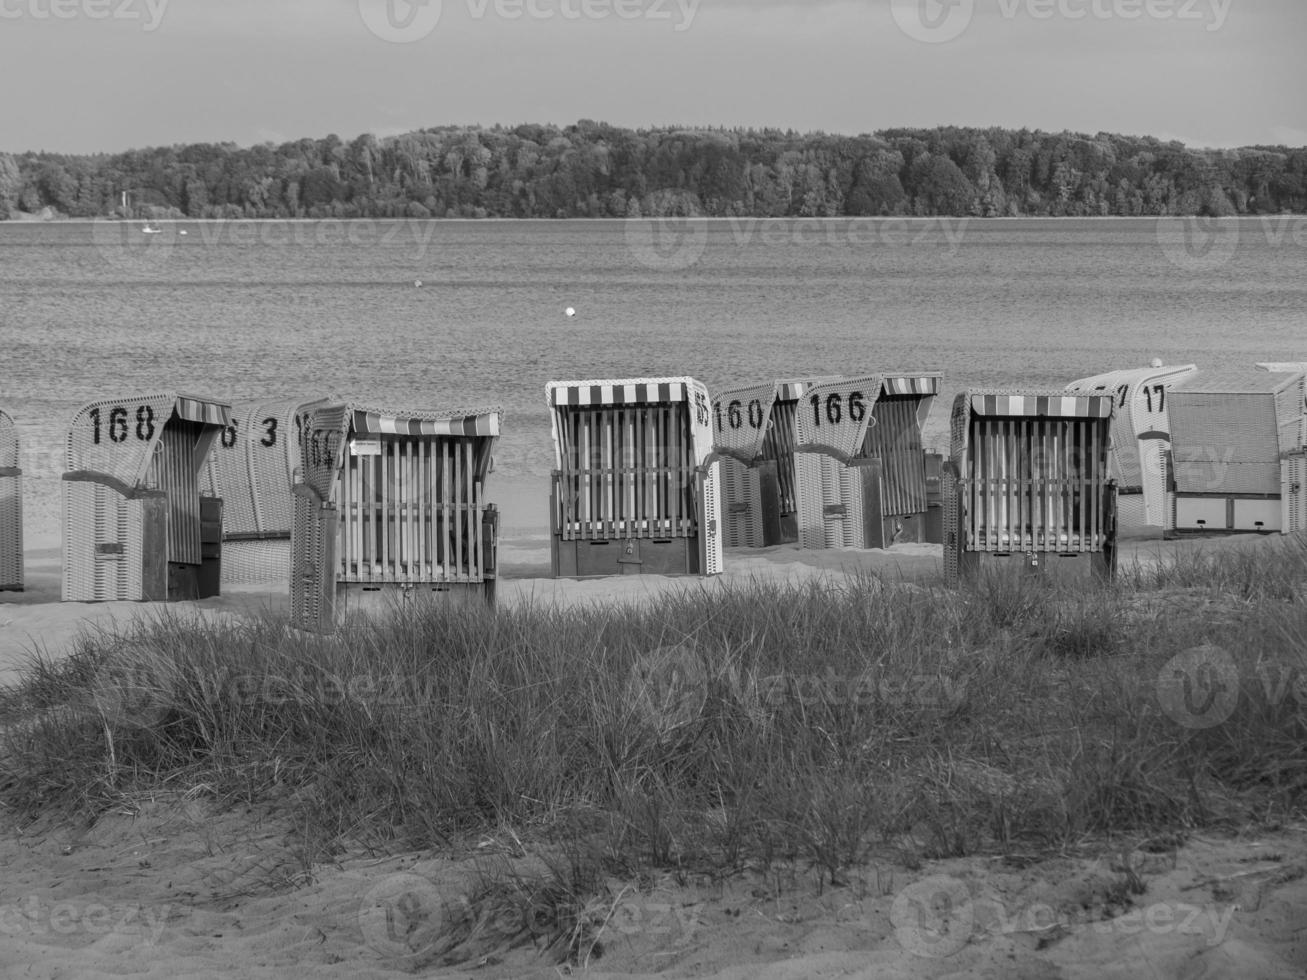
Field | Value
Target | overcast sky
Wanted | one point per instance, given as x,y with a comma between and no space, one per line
89,75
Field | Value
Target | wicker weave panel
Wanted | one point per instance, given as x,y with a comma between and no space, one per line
1225,442
102,541
711,543
1294,501
312,581
11,507
831,511
256,562
741,505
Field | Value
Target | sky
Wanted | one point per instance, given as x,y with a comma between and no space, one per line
82,76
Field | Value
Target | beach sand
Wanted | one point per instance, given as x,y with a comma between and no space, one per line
172,889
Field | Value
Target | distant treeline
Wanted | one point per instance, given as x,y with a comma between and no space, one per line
595,170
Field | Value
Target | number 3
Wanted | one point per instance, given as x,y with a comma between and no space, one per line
270,426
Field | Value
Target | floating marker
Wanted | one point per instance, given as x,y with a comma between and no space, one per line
570,312
417,283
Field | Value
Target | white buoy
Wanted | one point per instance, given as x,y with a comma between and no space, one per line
182,232
417,283
570,312
1156,362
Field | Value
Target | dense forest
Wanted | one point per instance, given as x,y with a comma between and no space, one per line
595,170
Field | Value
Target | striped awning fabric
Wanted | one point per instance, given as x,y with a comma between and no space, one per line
618,393
481,423
923,384
1064,406
202,410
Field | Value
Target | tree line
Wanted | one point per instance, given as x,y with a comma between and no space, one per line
595,170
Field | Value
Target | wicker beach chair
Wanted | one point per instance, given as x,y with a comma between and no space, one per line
1141,439
1027,484
135,525
252,468
11,508
859,463
754,431
391,502
1237,440
635,489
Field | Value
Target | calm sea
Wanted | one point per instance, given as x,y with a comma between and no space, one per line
253,310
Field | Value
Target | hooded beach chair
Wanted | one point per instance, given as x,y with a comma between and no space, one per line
860,467
1027,484
1141,439
391,502
1237,441
11,508
1293,460
635,489
754,431
252,468
135,525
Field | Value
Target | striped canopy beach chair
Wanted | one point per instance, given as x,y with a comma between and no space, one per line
135,525
1141,439
252,468
635,488
860,466
1237,444
391,501
11,508
1028,480
754,431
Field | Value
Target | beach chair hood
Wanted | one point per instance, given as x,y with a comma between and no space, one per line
837,414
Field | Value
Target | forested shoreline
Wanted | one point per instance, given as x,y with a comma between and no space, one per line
595,170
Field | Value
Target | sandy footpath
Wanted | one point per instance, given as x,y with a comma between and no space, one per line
171,889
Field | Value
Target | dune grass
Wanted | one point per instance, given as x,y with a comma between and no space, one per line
815,727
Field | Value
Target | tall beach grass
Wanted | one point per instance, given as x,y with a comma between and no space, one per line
820,726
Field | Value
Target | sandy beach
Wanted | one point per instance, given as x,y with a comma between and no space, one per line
170,888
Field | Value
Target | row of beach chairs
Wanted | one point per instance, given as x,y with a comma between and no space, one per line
170,496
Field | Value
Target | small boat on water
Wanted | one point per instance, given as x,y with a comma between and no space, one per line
149,229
